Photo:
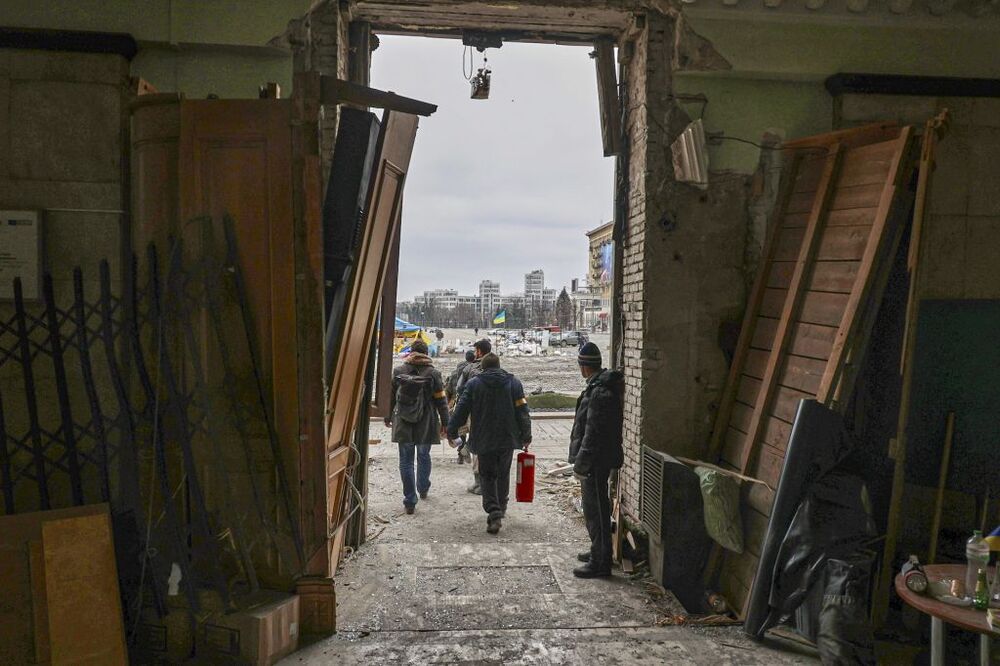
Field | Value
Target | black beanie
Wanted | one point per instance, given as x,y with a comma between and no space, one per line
470,356
590,355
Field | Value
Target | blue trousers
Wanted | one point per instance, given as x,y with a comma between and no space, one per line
422,453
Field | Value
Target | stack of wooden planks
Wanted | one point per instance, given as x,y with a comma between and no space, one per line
838,222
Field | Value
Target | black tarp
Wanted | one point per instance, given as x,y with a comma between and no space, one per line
820,525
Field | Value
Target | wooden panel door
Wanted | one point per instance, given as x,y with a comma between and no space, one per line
835,232
381,228
235,160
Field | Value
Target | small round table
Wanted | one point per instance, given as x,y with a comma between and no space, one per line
963,617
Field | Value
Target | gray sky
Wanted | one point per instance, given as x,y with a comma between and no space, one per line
502,186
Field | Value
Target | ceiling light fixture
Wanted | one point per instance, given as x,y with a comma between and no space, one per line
480,81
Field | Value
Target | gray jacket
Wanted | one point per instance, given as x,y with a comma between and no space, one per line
435,414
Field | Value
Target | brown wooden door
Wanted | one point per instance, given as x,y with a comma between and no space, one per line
235,160
392,159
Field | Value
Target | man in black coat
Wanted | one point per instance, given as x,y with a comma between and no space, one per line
451,389
480,349
500,422
418,415
595,448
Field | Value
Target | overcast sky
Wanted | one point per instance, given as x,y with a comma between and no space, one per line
502,186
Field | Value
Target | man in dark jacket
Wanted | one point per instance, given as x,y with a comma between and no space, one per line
595,448
419,413
480,349
451,389
500,423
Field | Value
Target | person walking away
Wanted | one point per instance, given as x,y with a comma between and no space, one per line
595,448
480,349
500,422
451,392
418,416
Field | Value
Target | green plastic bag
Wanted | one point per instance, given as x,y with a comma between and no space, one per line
720,494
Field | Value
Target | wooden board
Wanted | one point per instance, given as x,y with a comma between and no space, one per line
381,227
81,583
829,234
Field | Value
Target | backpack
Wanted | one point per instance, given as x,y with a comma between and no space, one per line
412,395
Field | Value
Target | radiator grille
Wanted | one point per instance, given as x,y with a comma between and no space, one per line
651,492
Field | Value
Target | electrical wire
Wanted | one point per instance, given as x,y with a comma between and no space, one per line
467,60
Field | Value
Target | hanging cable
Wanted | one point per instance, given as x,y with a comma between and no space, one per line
468,66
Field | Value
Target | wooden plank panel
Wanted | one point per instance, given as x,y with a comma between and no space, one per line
756,363
843,244
734,591
835,276
748,390
850,217
795,298
754,531
750,318
732,447
786,402
763,334
776,433
789,242
760,499
802,373
860,196
809,173
743,566
812,340
767,466
824,308
801,202
741,416
773,302
869,164
887,198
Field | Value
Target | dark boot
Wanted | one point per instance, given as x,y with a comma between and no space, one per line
493,524
588,570
584,556
476,488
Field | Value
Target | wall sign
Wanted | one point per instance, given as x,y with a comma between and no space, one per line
20,253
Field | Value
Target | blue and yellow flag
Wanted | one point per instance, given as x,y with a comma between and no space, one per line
500,318
993,539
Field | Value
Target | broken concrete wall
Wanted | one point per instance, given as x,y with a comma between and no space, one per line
682,273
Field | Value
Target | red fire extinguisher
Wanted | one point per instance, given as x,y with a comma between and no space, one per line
525,489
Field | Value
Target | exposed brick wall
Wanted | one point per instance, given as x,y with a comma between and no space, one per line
320,44
682,272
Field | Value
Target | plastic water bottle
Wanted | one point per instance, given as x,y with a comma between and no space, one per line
977,554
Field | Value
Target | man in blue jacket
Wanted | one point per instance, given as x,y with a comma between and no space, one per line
494,403
595,448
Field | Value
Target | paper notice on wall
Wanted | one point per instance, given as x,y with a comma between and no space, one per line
20,253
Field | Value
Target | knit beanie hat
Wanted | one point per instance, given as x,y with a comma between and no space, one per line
590,355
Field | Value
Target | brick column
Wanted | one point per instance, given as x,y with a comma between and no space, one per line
682,271
320,45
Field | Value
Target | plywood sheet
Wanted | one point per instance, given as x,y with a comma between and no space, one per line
81,583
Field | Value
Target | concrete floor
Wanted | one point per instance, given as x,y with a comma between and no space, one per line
435,588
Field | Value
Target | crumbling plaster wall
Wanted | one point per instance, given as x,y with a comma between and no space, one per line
223,47
61,142
682,272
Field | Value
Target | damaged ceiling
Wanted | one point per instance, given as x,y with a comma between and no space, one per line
565,21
